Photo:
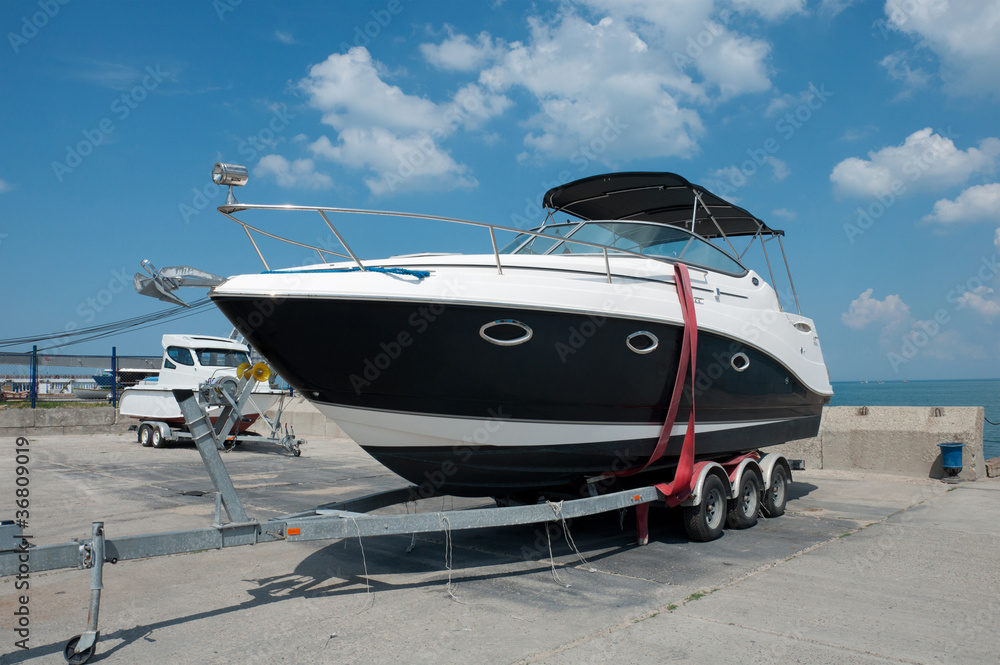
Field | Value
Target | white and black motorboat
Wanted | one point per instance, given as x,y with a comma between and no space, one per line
546,362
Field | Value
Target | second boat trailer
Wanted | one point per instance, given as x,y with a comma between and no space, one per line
730,494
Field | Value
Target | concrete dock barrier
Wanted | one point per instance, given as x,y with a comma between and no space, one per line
899,440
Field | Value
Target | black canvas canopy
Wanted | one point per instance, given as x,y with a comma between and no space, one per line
666,198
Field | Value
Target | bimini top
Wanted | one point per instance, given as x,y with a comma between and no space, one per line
666,198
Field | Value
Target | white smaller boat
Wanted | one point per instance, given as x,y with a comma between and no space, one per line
188,362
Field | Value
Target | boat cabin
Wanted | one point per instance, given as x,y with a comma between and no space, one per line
192,359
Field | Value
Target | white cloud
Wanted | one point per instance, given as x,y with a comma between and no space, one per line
459,53
396,136
772,10
5,186
891,313
695,34
834,7
398,164
737,65
284,37
781,170
350,92
976,204
784,213
598,86
897,65
981,300
787,100
299,173
962,33
925,156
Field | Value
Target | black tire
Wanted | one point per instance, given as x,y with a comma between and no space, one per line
776,494
743,509
145,435
74,658
156,439
705,521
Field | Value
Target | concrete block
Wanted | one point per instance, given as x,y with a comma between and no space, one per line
901,440
810,451
19,418
75,417
993,468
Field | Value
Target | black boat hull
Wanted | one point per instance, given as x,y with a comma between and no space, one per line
428,360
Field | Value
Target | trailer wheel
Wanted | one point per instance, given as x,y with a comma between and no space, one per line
743,509
776,494
705,521
145,435
78,658
156,439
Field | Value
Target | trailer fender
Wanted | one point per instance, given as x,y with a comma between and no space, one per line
702,470
749,465
165,433
767,464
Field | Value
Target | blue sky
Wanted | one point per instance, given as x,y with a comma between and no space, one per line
868,131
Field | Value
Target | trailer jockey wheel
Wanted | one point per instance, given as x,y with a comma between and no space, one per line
776,494
145,435
73,657
705,521
743,509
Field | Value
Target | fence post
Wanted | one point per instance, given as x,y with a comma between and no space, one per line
114,376
34,375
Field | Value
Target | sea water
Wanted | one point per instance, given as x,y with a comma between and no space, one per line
985,393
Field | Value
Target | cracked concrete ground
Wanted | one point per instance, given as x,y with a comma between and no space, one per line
862,569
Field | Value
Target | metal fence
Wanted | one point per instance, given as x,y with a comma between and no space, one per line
34,376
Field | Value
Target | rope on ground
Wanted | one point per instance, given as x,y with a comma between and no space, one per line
448,557
552,562
557,509
364,563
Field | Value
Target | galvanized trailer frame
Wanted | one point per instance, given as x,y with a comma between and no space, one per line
338,520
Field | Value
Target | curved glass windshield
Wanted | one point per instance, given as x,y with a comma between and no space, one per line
669,242
537,244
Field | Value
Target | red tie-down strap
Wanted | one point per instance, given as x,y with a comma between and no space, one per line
679,488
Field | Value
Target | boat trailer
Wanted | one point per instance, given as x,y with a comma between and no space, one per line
232,394
730,494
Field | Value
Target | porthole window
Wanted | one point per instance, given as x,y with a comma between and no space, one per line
740,362
505,332
642,342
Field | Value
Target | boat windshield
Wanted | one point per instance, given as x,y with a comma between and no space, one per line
221,358
658,240
525,244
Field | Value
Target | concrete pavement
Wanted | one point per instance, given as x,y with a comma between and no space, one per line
862,569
